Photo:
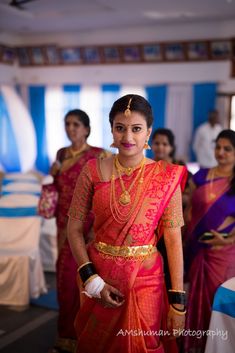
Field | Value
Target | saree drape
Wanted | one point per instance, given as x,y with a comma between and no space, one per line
135,326
66,268
212,208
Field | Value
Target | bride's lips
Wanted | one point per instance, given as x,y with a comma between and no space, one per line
127,145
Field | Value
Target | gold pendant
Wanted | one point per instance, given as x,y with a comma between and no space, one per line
125,198
128,171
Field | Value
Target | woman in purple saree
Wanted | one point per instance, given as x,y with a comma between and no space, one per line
210,262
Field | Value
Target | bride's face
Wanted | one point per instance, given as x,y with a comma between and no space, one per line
130,133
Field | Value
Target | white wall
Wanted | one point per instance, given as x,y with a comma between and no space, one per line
138,74
125,73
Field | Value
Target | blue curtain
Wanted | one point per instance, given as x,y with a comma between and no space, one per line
156,95
37,110
9,157
204,100
110,93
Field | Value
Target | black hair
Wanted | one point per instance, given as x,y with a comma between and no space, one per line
82,117
170,136
138,104
229,135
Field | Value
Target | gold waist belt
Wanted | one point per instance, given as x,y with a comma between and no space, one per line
125,251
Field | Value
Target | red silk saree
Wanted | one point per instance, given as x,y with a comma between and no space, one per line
135,326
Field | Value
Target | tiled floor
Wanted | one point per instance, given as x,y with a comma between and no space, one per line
32,330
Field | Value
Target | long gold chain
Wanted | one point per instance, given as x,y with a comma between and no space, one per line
213,174
125,198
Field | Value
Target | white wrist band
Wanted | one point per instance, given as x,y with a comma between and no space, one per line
94,287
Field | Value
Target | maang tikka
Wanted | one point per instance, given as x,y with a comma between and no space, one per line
127,112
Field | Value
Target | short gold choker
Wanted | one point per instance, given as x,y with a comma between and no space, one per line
75,153
126,170
218,173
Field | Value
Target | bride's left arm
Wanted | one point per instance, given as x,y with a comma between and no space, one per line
172,222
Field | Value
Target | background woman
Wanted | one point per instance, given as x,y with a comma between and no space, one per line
121,270
163,145
68,165
211,262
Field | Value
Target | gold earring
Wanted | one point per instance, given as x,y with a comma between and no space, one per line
113,145
146,146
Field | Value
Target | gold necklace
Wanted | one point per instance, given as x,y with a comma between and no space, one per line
125,197
77,152
213,174
126,170
221,174
121,216
212,195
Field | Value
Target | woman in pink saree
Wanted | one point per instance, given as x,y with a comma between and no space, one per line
210,262
69,163
125,308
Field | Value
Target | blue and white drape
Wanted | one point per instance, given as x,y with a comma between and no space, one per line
17,133
29,138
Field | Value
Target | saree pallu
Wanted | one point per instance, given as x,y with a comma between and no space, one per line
135,326
212,208
66,267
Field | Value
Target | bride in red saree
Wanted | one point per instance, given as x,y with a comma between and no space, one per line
69,163
127,309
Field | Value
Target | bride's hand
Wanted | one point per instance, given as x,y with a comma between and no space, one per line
111,297
175,321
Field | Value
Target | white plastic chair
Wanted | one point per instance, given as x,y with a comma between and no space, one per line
21,273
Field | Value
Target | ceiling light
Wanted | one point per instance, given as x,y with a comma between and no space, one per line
170,15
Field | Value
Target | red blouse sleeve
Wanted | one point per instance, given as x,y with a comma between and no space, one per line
82,197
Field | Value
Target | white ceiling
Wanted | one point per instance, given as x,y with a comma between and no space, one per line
55,16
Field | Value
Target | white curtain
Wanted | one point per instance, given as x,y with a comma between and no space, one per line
223,107
54,113
90,102
179,117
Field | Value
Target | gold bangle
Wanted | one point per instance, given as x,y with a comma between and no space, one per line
86,263
176,290
181,313
90,279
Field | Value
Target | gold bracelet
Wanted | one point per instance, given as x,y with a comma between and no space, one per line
178,312
90,279
86,263
177,291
